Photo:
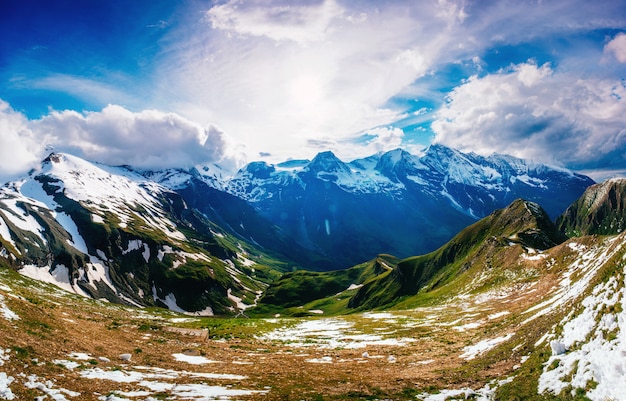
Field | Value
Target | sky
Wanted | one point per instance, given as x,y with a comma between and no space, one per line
159,83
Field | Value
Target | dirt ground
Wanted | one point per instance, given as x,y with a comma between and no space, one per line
51,328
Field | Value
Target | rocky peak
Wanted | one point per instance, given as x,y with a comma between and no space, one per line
327,162
600,210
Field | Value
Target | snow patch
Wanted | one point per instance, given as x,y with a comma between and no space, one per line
481,347
193,359
330,333
592,346
7,313
5,391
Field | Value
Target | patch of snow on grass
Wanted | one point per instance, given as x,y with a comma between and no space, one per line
5,391
5,381
324,359
71,365
47,387
585,266
4,356
497,315
595,346
193,359
148,379
240,305
330,333
533,255
467,326
7,313
480,347
486,393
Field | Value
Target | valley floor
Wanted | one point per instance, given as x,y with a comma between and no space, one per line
511,339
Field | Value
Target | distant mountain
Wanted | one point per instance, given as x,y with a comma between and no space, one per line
600,210
394,202
108,232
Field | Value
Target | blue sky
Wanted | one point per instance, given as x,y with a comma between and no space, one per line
175,83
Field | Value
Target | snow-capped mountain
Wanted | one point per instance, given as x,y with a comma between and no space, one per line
109,232
207,240
394,202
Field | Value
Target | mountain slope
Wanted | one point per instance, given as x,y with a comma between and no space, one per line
600,210
486,242
293,290
107,232
485,245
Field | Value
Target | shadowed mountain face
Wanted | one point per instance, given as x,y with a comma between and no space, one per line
600,210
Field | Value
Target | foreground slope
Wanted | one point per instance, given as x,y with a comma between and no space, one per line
107,232
546,325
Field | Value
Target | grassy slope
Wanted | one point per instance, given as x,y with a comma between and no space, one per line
415,280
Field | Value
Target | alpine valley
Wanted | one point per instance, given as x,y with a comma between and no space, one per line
437,276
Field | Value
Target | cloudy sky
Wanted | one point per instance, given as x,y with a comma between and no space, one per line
160,83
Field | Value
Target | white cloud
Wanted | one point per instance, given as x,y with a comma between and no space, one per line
617,47
279,21
148,139
533,112
278,77
19,147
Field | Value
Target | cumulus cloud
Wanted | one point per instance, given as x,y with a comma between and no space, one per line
149,139
617,47
20,148
532,111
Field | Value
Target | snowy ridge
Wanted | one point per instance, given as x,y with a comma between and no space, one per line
106,189
589,352
105,232
439,170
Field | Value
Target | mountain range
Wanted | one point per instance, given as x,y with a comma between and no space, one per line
393,202
210,242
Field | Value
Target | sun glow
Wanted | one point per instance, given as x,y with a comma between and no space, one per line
306,89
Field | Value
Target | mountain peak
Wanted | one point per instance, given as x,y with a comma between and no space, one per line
527,223
394,164
327,162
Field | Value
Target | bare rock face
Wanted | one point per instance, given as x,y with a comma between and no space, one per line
600,210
